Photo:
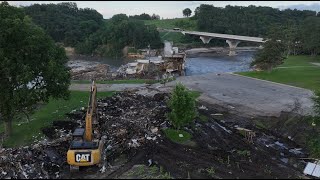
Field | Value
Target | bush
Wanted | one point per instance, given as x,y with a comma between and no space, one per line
182,105
316,108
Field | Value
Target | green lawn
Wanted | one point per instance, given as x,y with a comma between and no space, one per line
176,37
296,71
25,133
129,81
173,135
173,23
195,94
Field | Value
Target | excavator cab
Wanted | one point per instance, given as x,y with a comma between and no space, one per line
86,146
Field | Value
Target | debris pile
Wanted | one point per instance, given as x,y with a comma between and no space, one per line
42,160
129,120
86,70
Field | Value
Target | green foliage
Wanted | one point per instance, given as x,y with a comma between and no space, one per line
119,32
65,22
171,23
173,135
203,118
316,100
132,50
145,16
32,67
182,105
211,171
314,146
270,56
185,24
247,21
316,107
310,32
243,152
86,30
187,12
195,94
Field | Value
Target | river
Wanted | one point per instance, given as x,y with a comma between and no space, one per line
194,65
219,64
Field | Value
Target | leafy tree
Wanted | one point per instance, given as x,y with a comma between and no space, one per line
65,22
187,12
270,56
310,31
155,17
182,105
247,21
32,67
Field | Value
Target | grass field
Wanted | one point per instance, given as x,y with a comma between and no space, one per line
176,37
296,71
184,23
173,135
25,133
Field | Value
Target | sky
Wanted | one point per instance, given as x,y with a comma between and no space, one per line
170,9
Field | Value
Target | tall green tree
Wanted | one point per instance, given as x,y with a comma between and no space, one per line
310,31
32,67
187,12
270,56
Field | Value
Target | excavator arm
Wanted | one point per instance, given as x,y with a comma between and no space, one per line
91,112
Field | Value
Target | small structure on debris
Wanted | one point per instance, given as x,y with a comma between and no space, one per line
171,62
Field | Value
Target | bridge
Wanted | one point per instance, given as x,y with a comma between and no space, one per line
232,40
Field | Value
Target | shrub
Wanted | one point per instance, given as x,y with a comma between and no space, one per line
182,105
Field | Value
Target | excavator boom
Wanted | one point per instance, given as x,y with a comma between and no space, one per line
86,148
91,112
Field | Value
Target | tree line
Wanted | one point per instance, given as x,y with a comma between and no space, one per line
90,34
145,16
298,30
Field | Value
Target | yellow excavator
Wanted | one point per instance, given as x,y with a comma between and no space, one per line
87,146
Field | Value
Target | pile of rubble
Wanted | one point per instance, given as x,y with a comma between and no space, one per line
85,70
42,160
129,120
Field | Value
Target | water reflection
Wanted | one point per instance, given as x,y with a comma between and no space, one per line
219,64
194,65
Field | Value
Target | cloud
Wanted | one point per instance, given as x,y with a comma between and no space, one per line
169,9
312,7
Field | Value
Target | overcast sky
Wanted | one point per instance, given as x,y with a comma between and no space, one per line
170,9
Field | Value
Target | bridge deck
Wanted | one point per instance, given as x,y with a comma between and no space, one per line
225,36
